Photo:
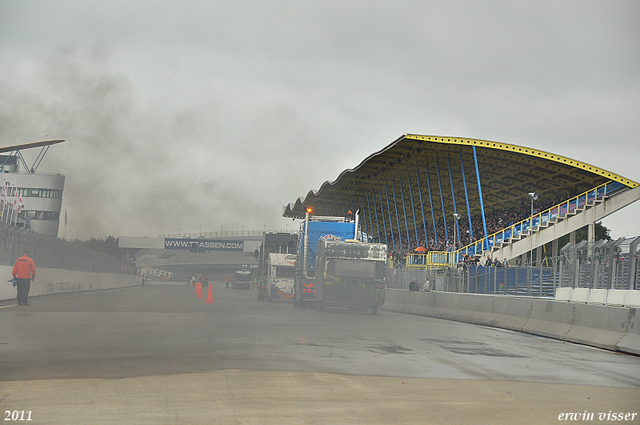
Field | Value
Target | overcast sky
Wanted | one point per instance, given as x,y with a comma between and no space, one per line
208,114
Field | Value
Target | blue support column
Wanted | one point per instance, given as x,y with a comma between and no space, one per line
393,239
433,217
404,210
370,216
375,210
444,215
424,222
413,209
395,204
364,224
453,196
485,244
466,197
386,238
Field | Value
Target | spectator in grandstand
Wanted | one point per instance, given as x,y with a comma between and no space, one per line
24,270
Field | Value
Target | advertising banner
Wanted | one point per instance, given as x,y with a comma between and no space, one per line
204,244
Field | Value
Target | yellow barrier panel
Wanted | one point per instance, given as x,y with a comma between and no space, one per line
430,259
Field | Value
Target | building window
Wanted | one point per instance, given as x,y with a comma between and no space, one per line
40,215
40,193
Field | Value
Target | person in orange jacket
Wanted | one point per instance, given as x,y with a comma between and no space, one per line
24,271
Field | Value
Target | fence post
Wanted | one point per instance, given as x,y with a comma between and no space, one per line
540,293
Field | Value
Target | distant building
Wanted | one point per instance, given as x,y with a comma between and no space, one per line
28,199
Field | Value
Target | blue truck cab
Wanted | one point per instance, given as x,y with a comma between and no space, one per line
312,230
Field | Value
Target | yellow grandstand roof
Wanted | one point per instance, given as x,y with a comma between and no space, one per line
507,174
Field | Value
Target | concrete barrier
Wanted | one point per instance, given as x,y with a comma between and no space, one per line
599,325
598,296
610,327
630,342
616,297
445,305
563,294
51,281
511,312
632,299
580,295
552,319
474,308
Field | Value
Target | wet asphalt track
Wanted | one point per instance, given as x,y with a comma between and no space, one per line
147,354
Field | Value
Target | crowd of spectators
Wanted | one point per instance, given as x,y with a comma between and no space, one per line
495,220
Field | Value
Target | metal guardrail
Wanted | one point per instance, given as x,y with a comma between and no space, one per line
600,265
223,234
50,252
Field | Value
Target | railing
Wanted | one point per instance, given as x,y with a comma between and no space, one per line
223,234
570,206
50,252
431,259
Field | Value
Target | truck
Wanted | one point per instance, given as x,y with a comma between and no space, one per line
280,279
242,279
273,243
350,274
315,230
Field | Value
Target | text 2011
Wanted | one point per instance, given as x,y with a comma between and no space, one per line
17,415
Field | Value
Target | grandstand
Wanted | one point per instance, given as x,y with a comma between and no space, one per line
456,198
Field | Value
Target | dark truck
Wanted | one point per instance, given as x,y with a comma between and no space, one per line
242,279
350,274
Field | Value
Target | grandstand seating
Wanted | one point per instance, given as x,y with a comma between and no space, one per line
538,229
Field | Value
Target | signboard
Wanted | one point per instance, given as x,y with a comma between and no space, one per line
204,244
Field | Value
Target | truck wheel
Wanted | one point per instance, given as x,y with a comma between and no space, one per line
321,306
269,299
374,309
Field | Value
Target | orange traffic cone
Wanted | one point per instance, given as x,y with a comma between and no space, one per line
209,296
198,290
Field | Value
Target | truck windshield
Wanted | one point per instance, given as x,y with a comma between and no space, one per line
285,271
355,268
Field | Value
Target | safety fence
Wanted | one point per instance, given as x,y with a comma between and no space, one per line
50,252
599,265
531,281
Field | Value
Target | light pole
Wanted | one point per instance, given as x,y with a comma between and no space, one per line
456,217
533,196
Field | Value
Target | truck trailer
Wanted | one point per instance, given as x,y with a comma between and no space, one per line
350,274
274,243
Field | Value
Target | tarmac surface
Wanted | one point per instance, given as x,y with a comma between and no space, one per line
156,354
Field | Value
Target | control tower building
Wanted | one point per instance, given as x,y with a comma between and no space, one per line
28,199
